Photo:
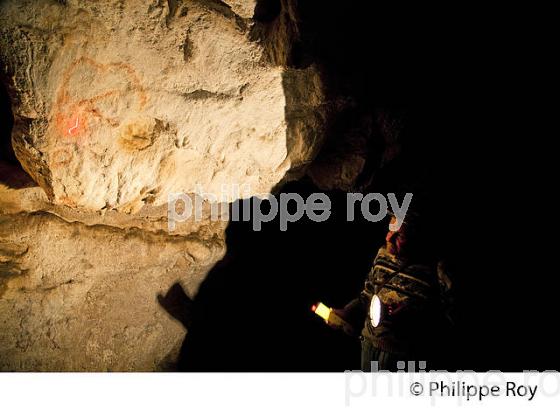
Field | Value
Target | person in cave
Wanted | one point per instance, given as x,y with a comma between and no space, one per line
401,313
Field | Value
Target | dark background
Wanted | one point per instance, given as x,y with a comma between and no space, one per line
451,72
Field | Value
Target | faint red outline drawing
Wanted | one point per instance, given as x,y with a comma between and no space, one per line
78,111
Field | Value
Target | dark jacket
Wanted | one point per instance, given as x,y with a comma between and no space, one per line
411,294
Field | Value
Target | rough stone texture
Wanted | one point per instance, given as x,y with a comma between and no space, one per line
243,8
116,104
78,290
356,149
119,103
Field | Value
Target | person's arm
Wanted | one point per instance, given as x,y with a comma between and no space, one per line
355,311
354,314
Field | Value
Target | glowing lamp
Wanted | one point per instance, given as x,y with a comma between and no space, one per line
375,310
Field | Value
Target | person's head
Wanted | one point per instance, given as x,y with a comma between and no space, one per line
415,239
412,239
397,241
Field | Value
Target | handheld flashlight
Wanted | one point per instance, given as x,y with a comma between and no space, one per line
328,315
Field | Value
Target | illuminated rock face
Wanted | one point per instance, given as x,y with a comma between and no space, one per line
117,104
79,289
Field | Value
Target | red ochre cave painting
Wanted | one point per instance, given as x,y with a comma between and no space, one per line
72,116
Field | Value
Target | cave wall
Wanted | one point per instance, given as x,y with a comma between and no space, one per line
79,290
115,104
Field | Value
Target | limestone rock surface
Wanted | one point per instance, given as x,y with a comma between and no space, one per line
79,290
119,103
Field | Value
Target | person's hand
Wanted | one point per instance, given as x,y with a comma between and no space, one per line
346,327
